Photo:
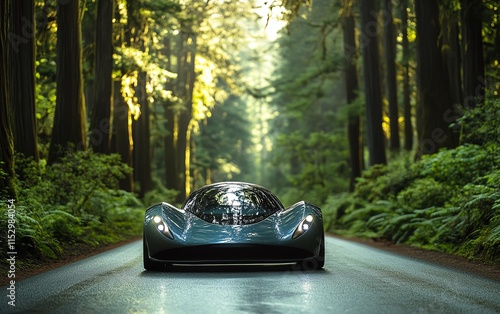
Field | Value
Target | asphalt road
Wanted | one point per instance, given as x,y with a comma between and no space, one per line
356,279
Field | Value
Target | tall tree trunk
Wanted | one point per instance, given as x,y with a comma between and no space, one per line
186,59
352,87
122,134
101,121
171,162
22,78
371,73
6,136
473,60
141,134
68,132
451,54
406,77
142,151
191,81
434,101
390,68
181,117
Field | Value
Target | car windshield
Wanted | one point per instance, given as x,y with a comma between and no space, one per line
232,204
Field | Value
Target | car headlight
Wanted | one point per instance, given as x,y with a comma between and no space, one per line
162,227
304,225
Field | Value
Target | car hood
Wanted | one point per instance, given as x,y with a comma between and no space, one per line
188,227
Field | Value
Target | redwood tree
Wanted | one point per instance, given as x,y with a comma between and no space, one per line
68,132
473,60
22,77
100,123
170,149
184,90
371,73
352,87
390,74
141,134
6,137
121,135
406,78
451,52
434,102
135,35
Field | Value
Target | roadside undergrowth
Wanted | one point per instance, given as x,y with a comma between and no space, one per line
448,201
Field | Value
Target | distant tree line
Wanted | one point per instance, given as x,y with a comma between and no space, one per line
159,83
389,76
117,77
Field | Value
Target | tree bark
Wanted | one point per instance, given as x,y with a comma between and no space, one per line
68,132
451,54
352,87
101,121
22,77
171,162
390,68
136,30
141,134
186,78
122,134
434,103
371,73
406,78
6,136
473,60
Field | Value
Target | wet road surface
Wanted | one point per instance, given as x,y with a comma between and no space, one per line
356,279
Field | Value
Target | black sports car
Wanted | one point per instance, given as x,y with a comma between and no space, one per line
233,223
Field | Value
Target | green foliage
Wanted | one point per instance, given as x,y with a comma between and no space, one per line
3,176
158,9
159,194
480,124
462,164
72,181
73,201
224,145
448,201
424,193
309,158
45,101
122,216
322,170
385,181
337,206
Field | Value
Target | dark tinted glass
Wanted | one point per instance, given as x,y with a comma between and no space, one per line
232,204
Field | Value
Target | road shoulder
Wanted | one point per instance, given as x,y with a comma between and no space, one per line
447,260
73,255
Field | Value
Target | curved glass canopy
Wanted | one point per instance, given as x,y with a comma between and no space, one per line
232,203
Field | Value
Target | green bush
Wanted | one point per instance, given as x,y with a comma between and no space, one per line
160,194
424,193
480,124
73,201
382,182
474,229
323,169
448,201
459,166
336,208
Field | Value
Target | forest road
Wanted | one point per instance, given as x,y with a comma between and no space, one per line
356,279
